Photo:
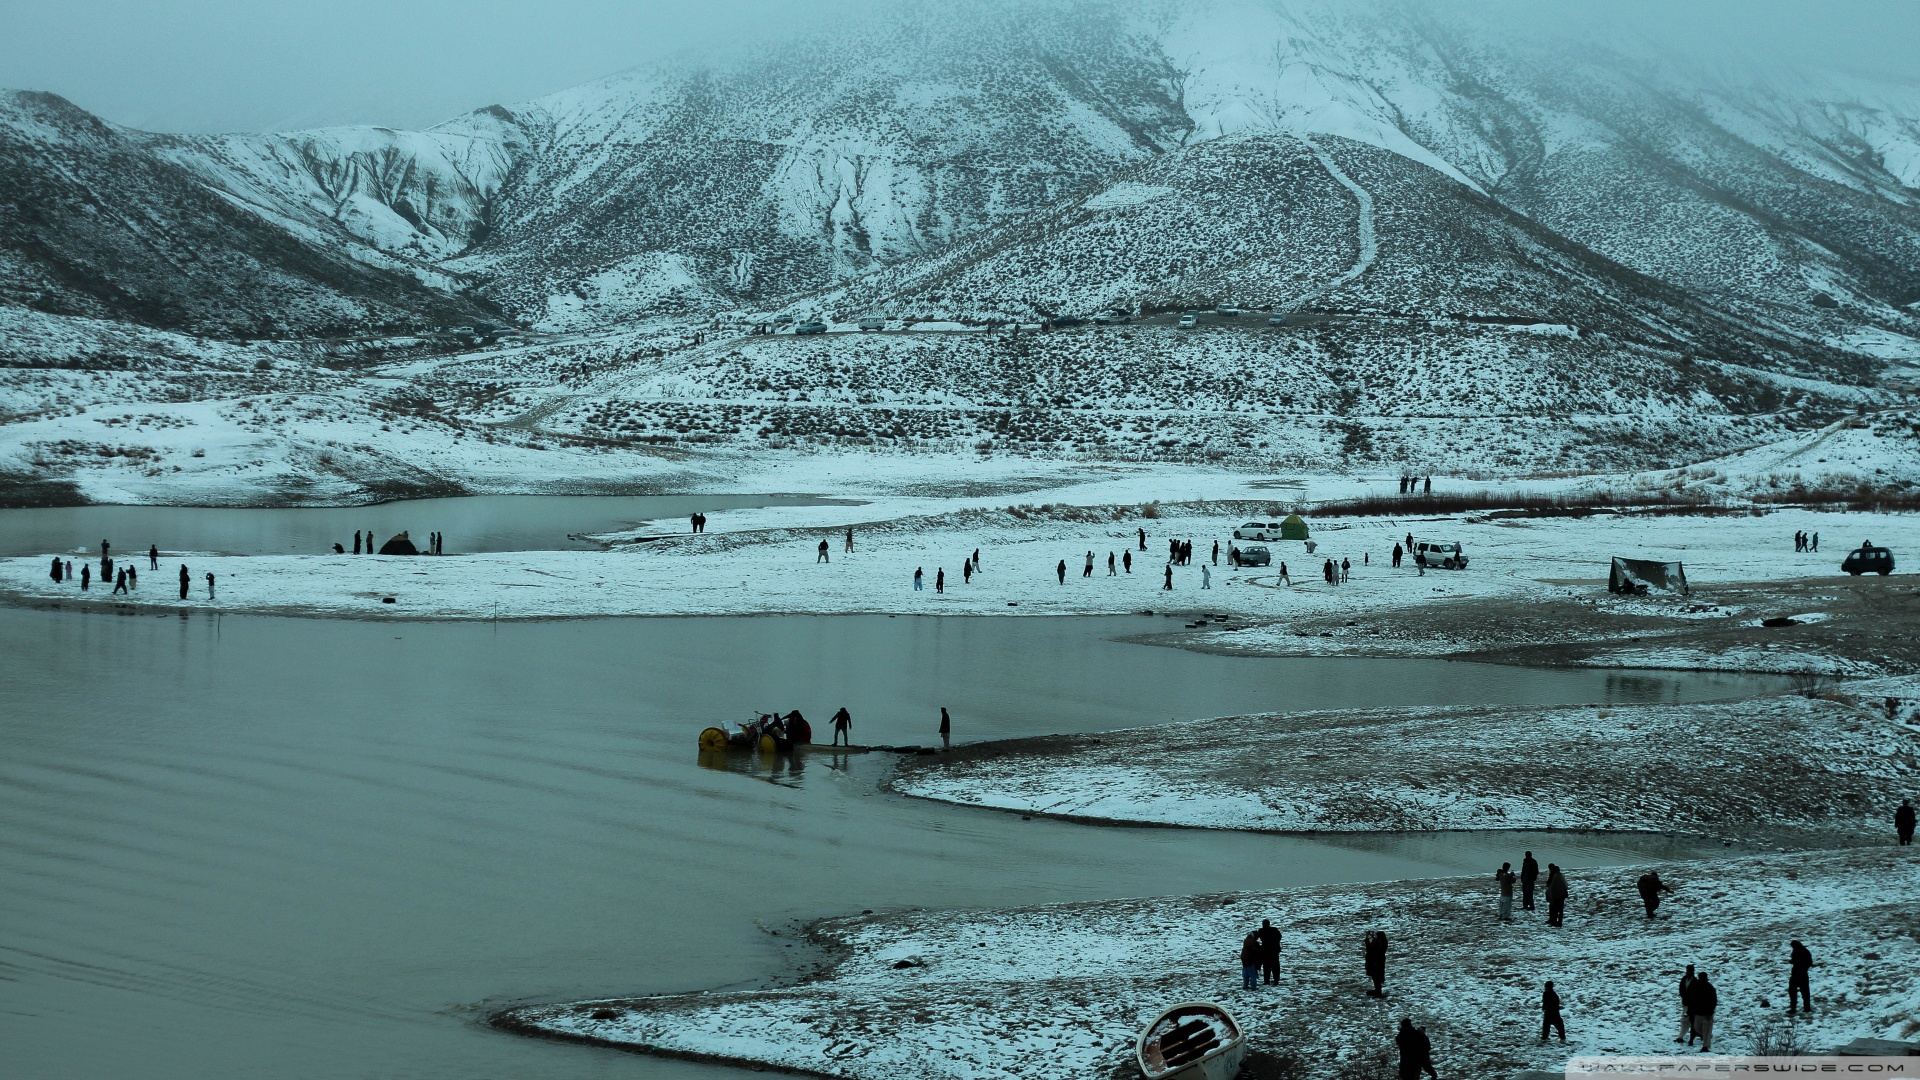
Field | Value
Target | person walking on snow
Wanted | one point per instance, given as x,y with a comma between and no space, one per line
1798,982
1269,952
1143,538
1556,896
843,727
916,579
1206,577
1706,999
1346,570
849,538
1284,577
120,582
1168,586
966,571
1506,877
1816,543
1686,1006
1374,947
1550,1014
1651,887
1529,873
1062,571
1902,818
822,556
976,560
1250,961
1416,1051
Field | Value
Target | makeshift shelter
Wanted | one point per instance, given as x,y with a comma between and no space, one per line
399,545
1640,575
1294,528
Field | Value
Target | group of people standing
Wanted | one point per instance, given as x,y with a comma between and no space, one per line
1527,878
1411,484
125,578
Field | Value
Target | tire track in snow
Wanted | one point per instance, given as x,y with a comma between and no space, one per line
1369,242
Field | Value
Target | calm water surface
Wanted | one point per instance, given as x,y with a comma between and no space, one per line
255,847
471,523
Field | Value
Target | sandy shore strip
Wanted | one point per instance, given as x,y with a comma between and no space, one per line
1826,769
1044,993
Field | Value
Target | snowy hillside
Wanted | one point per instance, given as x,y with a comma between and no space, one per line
92,223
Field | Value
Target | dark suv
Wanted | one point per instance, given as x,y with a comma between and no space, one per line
1867,559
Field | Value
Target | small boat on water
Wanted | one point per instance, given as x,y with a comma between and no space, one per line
1196,1040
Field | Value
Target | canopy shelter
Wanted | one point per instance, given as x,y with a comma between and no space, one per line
399,545
1294,528
1640,575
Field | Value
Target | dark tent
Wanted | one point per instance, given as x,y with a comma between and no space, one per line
1639,575
1294,528
399,545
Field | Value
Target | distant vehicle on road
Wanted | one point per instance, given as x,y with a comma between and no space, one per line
873,322
1226,309
1066,320
1188,321
1446,556
783,320
1867,559
811,328
1258,530
1278,318
1112,318
1254,555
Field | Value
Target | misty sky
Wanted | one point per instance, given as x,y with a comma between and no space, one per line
217,65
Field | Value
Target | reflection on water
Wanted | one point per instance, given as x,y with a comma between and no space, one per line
471,523
253,847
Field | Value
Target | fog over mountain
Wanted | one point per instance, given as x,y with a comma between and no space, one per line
1711,208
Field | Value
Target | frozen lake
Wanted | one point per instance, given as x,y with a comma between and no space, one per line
471,523
246,847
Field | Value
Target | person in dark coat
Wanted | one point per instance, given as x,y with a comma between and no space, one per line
209,584
339,549
1529,873
86,576
1396,556
1798,983
1416,1051
1686,1006
843,726
1061,571
1902,818
946,727
966,571
797,727
1556,896
1216,553
356,541
1650,888
1269,952
822,556
1168,586
1374,946
120,582
1705,1000
186,581
1111,572
1087,571
1143,539
1550,1014
153,557
940,579
133,577
59,572
1505,878
1250,962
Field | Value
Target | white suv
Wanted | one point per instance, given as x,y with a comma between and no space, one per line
1258,530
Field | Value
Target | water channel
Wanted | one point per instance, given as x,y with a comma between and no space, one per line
245,846
470,523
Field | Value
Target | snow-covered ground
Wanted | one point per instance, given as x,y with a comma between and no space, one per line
755,561
1052,992
1825,769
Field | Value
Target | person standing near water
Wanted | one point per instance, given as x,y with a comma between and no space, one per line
946,727
57,572
86,576
1506,877
186,581
209,584
843,726
153,557
120,582
1529,873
